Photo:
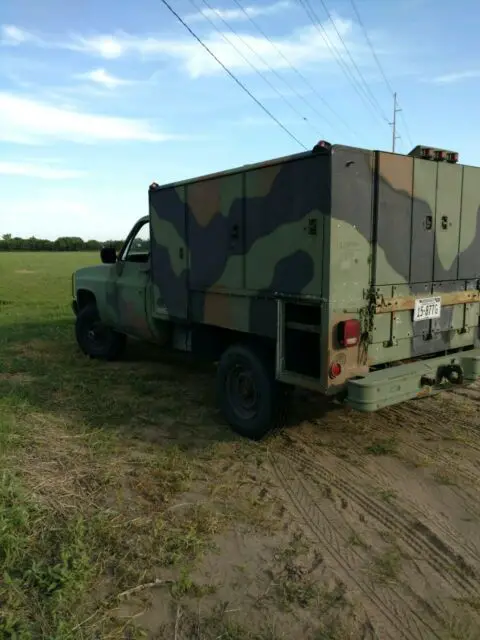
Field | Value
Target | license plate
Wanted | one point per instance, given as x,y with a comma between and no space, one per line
427,308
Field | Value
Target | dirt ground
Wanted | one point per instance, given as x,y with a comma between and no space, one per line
129,509
373,530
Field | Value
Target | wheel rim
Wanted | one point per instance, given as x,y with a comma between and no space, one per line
96,335
242,391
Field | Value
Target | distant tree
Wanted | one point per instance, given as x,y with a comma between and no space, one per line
93,245
64,243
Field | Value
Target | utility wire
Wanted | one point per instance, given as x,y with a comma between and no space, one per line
316,22
405,126
369,42
360,74
297,72
232,75
270,84
375,57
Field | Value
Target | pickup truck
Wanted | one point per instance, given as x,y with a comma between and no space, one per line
351,272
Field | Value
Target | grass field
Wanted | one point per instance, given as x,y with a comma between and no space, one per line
128,509
96,462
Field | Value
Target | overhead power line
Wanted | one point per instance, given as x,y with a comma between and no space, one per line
316,22
369,42
297,72
377,61
360,74
257,71
232,75
405,126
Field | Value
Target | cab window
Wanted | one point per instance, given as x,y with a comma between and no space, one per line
138,248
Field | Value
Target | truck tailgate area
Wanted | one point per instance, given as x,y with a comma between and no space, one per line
426,260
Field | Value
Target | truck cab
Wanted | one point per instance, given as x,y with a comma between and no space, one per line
114,300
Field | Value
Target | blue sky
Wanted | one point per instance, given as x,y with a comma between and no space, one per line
98,99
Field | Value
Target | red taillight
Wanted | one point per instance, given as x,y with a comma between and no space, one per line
335,370
349,333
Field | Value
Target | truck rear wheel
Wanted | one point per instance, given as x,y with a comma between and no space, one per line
247,392
94,338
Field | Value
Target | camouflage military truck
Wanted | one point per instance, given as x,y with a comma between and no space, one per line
351,272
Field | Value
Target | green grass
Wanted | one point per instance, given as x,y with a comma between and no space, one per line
387,565
108,472
382,447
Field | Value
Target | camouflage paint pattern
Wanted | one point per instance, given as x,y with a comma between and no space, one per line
343,229
417,223
224,247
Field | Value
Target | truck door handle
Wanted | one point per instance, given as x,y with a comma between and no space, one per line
234,232
444,223
428,223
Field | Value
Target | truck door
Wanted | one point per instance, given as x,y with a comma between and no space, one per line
131,286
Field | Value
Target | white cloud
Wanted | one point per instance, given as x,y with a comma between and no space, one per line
303,47
232,15
29,121
105,79
450,78
14,36
40,169
106,46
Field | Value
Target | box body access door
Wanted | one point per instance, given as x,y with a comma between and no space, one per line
426,257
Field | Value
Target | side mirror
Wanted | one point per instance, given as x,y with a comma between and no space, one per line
108,255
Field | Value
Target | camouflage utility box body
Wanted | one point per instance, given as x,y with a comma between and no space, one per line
353,272
294,248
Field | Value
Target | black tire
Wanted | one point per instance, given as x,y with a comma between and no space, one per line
251,418
94,338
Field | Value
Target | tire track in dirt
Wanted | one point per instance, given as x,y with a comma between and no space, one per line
472,393
400,614
444,413
450,566
440,420
438,456
383,477
415,508
360,474
431,447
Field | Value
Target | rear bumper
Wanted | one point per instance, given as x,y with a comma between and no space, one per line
407,381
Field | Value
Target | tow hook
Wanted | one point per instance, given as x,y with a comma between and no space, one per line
451,372
428,381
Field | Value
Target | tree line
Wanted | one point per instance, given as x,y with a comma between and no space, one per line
66,243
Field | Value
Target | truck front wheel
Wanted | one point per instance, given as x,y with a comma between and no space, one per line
94,338
247,392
